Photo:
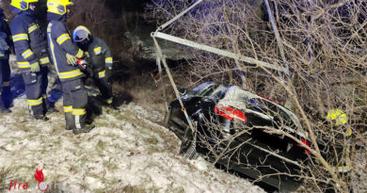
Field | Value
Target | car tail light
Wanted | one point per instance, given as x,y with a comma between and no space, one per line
307,143
230,113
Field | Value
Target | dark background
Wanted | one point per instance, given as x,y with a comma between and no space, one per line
108,19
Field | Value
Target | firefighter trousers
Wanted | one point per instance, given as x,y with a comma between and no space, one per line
5,94
104,86
35,89
75,102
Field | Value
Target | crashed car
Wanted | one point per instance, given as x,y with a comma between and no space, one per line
241,132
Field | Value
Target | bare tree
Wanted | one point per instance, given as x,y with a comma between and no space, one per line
323,43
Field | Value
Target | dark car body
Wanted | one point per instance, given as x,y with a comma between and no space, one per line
242,132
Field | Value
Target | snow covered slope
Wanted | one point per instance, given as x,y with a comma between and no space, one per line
126,152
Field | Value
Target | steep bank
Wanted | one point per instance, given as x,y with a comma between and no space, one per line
127,152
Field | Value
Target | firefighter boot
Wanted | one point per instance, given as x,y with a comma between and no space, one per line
3,109
85,129
41,117
69,119
80,125
50,106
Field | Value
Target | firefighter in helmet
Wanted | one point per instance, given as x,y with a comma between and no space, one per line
30,46
99,59
5,47
339,120
66,56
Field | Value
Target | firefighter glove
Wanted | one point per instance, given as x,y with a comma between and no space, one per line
72,60
35,67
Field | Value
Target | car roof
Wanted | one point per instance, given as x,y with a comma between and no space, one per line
237,97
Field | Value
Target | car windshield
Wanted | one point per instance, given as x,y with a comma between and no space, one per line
219,92
203,89
269,108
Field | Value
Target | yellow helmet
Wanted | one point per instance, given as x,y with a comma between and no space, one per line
58,6
22,4
337,115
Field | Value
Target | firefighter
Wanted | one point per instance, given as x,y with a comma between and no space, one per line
339,119
99,59
66,56
30,46
5,47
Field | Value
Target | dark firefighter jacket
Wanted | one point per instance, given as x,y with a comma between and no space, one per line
61,44
30,41
5,30
100,56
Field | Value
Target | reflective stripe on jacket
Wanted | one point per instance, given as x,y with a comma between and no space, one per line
60,44
29,39
100,55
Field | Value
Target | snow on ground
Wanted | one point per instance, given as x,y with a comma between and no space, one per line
126,152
